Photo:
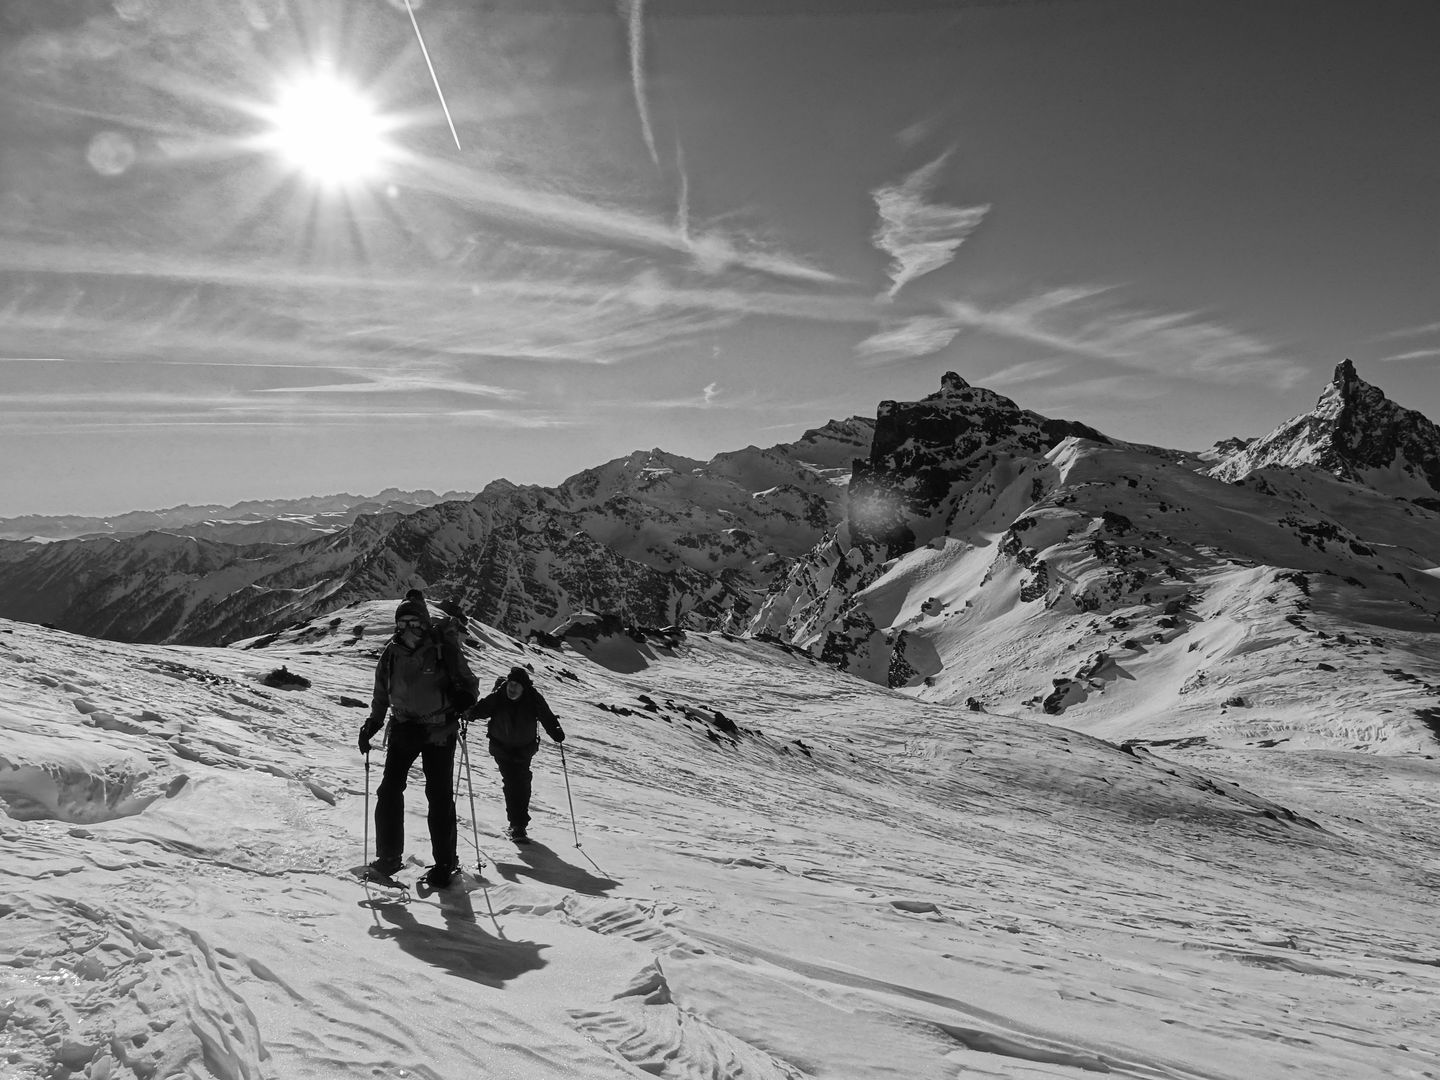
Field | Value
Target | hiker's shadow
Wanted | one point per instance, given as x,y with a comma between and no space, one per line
540,863
460,946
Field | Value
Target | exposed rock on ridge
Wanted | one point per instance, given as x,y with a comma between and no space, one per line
932,472
1356,433
924,449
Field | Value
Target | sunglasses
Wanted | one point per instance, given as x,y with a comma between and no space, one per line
409,624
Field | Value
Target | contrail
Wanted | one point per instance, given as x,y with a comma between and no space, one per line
435,78
682,209
633,11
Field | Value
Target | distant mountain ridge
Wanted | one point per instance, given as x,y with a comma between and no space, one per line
655,536
308,516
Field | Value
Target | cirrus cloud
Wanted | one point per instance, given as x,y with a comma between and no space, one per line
920,236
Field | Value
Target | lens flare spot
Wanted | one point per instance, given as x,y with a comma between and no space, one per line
111,153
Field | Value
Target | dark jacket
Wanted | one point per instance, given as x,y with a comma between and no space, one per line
514,725
430,684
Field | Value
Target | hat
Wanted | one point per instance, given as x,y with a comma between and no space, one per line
520,675
413,609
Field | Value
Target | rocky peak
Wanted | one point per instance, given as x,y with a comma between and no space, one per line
1356,433
950,383
922,449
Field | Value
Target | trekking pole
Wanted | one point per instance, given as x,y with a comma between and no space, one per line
367,808
470,784
568,799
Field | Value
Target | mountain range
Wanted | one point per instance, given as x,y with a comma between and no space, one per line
256,521
893,548
653,536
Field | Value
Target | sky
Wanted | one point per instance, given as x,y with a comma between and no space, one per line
567,229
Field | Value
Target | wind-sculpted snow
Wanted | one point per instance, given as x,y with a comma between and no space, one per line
782,872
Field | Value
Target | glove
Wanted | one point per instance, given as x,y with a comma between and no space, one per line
367,730
559,735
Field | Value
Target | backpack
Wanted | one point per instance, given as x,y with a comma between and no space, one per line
462,688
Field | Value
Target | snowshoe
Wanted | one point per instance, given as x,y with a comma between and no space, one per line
517,835
382,872
438,877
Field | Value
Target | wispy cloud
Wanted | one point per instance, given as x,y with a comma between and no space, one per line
430,379
1413,331
911,338
920,236
546,308
1414,354
77,421
1075,321
1171,343
633,12
1425,352
1030,371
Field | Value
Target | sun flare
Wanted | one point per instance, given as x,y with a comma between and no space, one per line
329,130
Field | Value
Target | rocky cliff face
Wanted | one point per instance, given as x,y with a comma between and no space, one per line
926,453
652,537
1356,433
932,472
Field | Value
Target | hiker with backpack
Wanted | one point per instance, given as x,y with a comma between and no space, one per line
516,711
424,681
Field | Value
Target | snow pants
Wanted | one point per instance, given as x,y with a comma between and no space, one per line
408,742
515,778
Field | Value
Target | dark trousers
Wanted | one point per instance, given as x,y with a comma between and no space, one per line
408,742
514,764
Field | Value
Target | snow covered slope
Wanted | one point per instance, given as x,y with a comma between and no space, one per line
1017,568
783,873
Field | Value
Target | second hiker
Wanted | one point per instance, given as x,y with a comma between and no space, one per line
516,711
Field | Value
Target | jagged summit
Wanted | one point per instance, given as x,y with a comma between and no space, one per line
951,383
1356,433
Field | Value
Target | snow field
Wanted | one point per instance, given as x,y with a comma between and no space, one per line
783,873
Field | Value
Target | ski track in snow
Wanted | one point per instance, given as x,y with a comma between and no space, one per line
848,884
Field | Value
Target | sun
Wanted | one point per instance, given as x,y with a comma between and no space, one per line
329,130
